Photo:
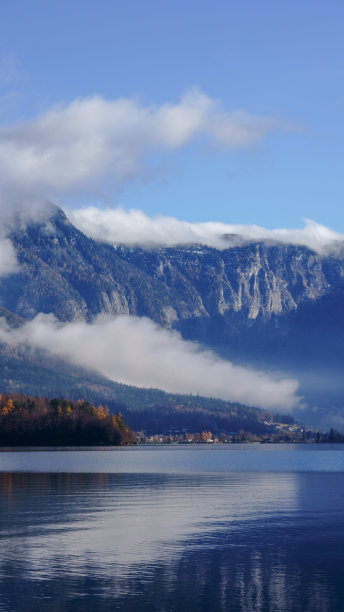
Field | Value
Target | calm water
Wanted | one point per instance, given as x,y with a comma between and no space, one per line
165,529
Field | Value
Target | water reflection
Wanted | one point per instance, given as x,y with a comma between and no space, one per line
245,541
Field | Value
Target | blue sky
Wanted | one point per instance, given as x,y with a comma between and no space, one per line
280,60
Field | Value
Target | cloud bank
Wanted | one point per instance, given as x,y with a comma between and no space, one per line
134,227
138,352
77,146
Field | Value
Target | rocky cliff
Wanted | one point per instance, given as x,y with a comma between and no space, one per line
64,272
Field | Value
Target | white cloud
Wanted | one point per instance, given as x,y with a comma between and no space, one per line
137,351
75,147
8,258
241,129
135,228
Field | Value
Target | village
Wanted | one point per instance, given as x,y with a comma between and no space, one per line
278,433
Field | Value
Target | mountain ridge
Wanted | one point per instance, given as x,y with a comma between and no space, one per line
270,305
256,279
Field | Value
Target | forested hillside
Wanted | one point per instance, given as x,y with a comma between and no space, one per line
37,421
153,410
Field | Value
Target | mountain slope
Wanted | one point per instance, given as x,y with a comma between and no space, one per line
274,306
36,373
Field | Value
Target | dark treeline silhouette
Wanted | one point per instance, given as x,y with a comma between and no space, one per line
39,421
333,436
160,418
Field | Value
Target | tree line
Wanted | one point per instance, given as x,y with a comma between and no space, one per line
39,421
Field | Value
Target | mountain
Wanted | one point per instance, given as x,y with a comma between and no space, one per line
270,305
67,273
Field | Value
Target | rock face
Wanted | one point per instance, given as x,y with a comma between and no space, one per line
70,275
256,279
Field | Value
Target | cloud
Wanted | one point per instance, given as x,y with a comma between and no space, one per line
137,351
77,146
135,228
8,258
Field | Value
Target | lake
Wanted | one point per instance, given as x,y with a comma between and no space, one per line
211,528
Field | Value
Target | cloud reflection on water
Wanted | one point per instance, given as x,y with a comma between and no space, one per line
172,541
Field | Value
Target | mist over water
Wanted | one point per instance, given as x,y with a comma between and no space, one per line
180,540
